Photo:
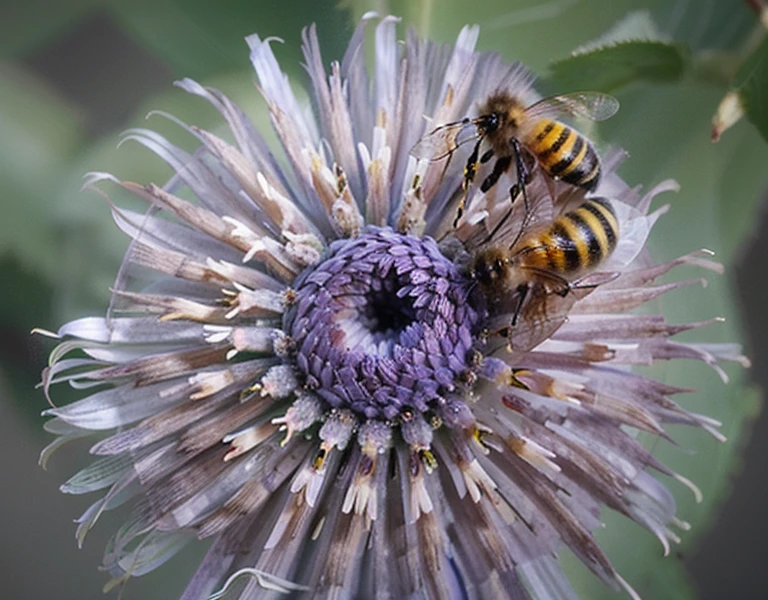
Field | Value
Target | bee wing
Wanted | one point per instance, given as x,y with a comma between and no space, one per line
545,312
443,140
584,286
594,106
633,232
540,318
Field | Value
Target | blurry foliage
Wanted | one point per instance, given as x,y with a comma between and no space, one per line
197,41
59,252
40,132
751,82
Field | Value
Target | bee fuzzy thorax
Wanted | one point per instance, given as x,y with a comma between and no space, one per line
509,113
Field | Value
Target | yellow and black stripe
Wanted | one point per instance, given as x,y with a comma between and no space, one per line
575,242
564,153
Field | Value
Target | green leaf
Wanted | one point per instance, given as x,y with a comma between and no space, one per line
752,84
633,49
607,68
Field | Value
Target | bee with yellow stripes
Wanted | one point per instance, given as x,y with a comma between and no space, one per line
524,134
546,264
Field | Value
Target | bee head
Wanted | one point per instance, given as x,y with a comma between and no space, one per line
488,266
490,122
501,111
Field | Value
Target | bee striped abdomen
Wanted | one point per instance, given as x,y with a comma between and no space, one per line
594,229
564,254
575,242
564,153
601,219
584,169
548,140
551,250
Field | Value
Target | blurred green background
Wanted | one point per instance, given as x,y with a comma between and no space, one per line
74,74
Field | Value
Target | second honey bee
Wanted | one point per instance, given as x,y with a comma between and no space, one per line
548,262
524,134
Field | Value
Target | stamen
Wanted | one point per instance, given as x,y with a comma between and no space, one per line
280,382
476,479
208,384
534,454
337,430
247,439
305,410
420,501
691,486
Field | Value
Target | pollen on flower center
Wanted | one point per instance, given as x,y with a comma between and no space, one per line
382,324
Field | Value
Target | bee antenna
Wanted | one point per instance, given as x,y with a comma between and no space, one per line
472,287
502,221
513,193
526,219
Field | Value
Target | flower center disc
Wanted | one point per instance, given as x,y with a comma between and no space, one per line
382,324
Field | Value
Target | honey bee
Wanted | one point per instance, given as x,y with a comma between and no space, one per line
527,135
546,270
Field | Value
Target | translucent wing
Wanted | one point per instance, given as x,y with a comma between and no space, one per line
635,228
544,312
443,140
542,315
594,106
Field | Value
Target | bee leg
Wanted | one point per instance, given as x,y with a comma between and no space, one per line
501,165
470,170
512,197
593,280
523,291
488,155
523,172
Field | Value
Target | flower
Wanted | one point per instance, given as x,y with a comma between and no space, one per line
305,365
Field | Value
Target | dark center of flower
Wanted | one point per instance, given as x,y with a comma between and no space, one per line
382,325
